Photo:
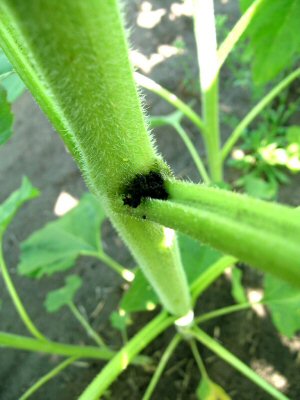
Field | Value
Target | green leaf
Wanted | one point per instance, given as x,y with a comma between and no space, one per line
119,320
237,290
208,390
58,244
140,296
10,206
258,187
56,299
275,38
6,117
196,259
283,301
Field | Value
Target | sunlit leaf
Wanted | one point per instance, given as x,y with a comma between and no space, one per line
11,205
237,291
283,301
196,259
6,117
274,37
58,244
56,299
208,390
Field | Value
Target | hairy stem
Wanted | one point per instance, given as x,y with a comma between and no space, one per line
53,45
263,234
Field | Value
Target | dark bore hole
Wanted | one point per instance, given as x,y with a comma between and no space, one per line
142,186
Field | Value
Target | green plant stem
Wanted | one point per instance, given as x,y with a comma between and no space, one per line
44,379
223,311
17,301
265,235
237,31
235,362
174,120
198,358
52,45
161,366
87,327
210,275
111,263
124,272
246,121
193,152
25,343
123,358
171,98
205,34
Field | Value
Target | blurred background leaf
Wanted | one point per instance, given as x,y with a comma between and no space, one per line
283,301
273,39
58,244
56,299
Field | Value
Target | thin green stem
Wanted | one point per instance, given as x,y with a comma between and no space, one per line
235,362
111,263
44,379
171,98
17,301
161,366
123,358
233,138
193,152
29,344
198,358
83,322
210,275
124,272
174,120
265,235
205,34
222,311
236,32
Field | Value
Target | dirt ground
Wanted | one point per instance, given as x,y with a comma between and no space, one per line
37,152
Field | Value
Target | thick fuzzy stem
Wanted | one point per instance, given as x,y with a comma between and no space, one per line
73,57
